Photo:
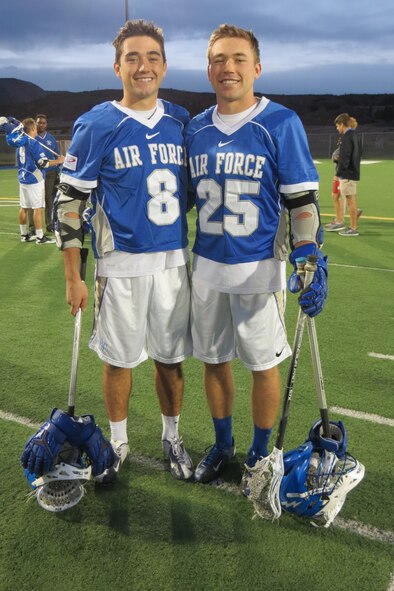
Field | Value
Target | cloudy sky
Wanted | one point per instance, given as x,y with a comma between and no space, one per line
334,47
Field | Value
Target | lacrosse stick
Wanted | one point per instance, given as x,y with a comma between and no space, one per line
62,487
267,474
340,467
4,120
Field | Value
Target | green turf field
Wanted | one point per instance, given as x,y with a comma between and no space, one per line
150,532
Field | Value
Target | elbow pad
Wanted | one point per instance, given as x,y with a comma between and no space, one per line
68,207
304,218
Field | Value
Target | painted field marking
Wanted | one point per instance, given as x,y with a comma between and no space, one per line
365,416
360,529
365,217
361,267
381,356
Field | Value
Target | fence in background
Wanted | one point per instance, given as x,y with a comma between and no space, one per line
376,146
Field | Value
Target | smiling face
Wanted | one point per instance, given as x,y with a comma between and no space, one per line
141,68
232,71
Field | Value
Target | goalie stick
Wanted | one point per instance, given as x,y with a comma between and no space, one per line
267,474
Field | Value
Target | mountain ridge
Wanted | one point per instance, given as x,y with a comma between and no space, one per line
22,99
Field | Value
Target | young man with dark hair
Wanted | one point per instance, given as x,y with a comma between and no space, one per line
128,158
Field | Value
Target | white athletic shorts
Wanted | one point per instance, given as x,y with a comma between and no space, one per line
228,325
32,196
140,317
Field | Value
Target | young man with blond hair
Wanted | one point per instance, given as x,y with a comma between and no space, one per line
250,165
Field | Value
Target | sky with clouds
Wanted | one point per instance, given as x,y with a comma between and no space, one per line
308,47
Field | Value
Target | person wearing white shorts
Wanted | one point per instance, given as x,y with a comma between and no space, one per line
32,163
250,165
128,158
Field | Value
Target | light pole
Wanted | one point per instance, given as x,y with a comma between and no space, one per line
127,11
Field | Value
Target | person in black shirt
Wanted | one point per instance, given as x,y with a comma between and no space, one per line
348,168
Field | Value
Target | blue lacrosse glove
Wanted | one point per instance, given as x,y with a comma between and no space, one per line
42,450
9,124
313,297
96,446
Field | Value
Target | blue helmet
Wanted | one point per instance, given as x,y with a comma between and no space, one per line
316,479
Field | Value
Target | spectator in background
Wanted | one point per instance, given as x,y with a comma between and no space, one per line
347,157
47,140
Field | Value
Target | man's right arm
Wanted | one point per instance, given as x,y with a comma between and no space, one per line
68,207
76,290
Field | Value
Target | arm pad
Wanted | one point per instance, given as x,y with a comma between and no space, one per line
68,229
304,217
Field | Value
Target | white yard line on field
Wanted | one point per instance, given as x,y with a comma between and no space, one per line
365,416
381,356
360,529
361,267
391,582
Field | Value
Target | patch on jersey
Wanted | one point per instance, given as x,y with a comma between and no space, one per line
70,162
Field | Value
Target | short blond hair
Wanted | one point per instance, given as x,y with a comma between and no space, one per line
224,31
28,124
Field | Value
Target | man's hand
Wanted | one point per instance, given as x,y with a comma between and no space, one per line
76,295
313,297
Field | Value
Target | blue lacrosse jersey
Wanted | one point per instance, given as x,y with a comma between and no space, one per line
137,170
28,155
48,141
238,174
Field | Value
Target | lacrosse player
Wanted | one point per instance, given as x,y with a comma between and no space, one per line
250,165
128,159
47,139
32,164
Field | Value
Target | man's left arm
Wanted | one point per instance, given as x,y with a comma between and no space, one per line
306,238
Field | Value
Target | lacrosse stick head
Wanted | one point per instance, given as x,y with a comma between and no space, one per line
315,483
59,495
336,442
62,487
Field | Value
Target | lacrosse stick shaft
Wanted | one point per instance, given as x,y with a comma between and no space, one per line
76,340
300,325
46,147
316,363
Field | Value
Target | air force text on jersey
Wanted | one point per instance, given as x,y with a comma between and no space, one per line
130,156
237,163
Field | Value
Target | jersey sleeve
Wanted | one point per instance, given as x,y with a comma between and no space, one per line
296,170
84,156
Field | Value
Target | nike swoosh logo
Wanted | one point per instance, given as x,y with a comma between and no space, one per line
216,468
222,144
150,136
280,353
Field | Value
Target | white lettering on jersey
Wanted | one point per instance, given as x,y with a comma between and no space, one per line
198,165
167,154
236,163
131,157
